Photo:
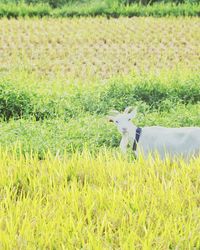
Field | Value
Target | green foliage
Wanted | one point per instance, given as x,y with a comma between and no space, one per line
16,103
59,3
23,10
119,95
147,2
59,135
113,9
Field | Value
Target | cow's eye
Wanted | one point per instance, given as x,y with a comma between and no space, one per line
117,121
129,119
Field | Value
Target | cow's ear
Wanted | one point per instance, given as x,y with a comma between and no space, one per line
128,110
110,119
133,114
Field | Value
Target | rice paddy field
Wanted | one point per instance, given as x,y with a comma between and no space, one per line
63,182
98,48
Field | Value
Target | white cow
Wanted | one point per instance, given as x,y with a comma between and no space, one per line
173,142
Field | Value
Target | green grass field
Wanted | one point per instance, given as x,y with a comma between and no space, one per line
63,182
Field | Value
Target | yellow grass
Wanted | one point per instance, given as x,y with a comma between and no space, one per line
98,202
98,48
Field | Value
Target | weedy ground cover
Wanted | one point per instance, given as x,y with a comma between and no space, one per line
98,202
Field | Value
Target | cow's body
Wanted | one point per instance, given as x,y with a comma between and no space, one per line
163,141
183,141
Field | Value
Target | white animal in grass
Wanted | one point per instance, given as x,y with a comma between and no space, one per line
173,142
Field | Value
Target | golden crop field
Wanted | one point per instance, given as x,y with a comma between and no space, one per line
98,48
102,202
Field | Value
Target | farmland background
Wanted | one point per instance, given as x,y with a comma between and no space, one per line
63,182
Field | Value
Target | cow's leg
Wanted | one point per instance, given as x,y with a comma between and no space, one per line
123,144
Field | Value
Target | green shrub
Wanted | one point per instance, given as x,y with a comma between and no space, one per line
187,93
16,103
153,95
13,102
44,109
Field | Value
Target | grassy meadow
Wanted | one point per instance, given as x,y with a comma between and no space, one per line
63,182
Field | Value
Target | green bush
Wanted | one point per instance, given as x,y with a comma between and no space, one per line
154,94
44,108
13,102
16,103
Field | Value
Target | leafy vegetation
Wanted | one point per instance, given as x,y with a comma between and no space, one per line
98,8
59,3
17,103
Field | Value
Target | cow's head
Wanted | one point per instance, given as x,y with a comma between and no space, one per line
123,120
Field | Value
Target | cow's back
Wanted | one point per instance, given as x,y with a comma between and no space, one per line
172,141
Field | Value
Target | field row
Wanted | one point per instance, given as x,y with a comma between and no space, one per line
101,48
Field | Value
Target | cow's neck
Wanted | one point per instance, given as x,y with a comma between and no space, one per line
132,131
